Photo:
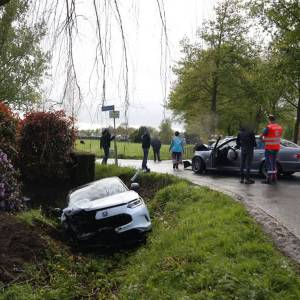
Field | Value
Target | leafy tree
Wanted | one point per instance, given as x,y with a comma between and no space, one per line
226,78
136,136
282,20
22,61
165,131
211,73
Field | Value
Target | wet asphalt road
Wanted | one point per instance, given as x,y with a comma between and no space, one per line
282,201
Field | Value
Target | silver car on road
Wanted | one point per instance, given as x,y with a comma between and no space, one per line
224,155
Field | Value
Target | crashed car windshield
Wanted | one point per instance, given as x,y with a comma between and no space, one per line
97,190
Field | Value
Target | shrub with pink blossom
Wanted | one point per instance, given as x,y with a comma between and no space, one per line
8,131
45,144
10,189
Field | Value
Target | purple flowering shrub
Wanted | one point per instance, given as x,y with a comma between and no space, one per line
10,188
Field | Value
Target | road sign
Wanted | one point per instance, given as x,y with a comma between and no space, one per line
108,108
114,114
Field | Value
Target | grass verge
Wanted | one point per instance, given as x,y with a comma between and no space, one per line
203,246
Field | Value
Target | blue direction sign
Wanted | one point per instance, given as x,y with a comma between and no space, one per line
108,108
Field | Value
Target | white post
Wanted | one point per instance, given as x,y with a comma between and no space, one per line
115,143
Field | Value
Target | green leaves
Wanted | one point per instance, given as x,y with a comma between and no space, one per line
227,77
22,61
282,19
210,90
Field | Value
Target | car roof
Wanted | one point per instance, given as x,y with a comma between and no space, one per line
232,138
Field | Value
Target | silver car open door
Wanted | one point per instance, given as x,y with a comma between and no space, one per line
214,152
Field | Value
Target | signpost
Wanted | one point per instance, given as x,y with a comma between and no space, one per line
108,108
115,115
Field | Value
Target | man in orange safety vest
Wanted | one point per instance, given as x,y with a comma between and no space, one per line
271,137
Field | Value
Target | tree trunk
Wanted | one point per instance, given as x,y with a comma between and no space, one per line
214,95
258,118
297,122
213,107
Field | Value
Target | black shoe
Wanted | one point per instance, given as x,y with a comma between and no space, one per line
249,181
242,180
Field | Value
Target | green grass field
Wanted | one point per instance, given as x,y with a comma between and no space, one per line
203,245
126,149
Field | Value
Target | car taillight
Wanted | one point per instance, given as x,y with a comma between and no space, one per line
298,155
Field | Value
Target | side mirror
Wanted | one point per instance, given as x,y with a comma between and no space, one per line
135,186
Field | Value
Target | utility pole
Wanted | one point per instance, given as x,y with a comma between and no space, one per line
115,115
115,144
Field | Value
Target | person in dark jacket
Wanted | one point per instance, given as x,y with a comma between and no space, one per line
105,140
146,143
156,145
246,142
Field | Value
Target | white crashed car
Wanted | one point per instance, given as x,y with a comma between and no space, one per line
105,208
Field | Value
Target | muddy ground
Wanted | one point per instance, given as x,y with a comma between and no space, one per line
19,244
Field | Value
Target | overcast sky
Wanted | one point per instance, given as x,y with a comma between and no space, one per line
142,27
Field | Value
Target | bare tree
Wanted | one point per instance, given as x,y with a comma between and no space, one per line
62,19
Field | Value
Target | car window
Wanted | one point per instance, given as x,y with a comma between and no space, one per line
290,144
259,143
97,190
231,143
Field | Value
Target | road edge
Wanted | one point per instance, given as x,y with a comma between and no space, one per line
283,238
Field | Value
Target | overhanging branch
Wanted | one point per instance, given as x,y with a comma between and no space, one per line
2,2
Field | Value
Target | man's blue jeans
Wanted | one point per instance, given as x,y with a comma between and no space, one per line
271,164
145,158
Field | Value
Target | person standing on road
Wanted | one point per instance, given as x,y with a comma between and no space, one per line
246,142
156,145
146,143
271,137
177,149
105,140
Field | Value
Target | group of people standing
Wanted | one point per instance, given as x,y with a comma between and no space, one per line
176,147
271,137
246,141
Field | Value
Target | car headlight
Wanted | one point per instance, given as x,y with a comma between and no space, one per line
135,203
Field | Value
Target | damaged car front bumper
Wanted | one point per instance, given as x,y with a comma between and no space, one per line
109,221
